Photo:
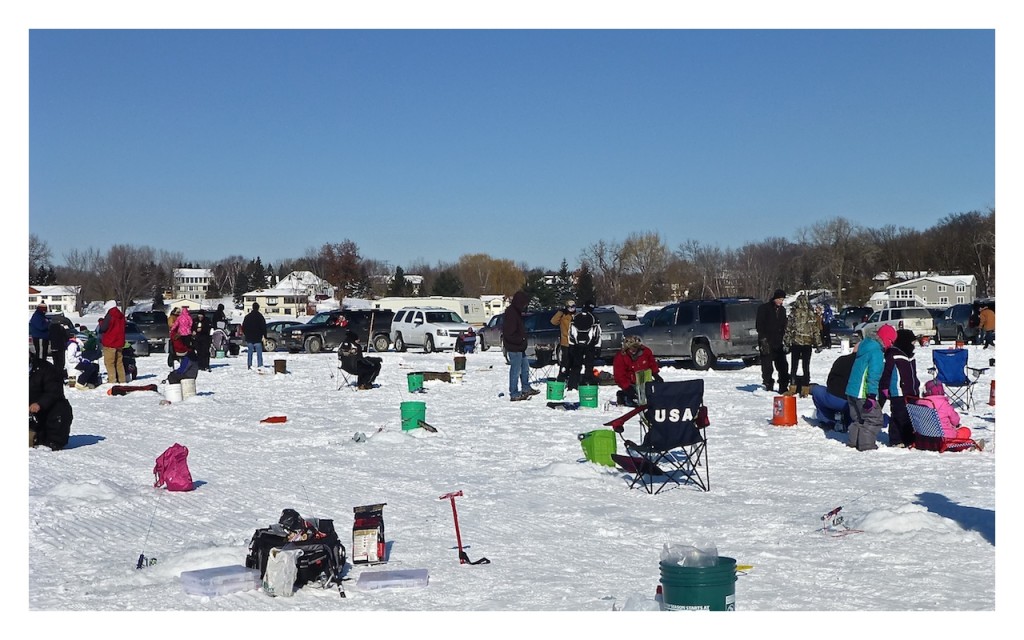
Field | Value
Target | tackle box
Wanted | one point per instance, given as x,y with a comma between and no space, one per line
217,581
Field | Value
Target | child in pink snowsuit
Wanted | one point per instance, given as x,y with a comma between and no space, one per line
935,397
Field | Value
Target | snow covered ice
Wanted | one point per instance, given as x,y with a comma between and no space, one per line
562,534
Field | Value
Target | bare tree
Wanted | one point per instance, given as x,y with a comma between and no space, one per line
127,275
836,244
710,265
39,254
605,261
644,257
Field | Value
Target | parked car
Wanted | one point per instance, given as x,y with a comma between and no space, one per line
275,329
326,330
703,331
133,336
852,316
154,325
842,331
917,319
543,339
955,324
432,328
490,333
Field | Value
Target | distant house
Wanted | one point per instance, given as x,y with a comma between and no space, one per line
181,303
191,284
58,298
929,291
494,304
314,286
278,302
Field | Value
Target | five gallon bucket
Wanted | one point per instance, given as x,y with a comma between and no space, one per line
598,446
699,588
412,413
415,380
220,353
588,395
784,411
172,392
460,363
188,388
556,390
280,366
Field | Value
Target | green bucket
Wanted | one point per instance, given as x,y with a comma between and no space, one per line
699,588
556,390
598,446
415,380
588,395
412,413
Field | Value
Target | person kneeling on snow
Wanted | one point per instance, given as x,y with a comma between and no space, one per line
632,358
189,368
49,412
366,368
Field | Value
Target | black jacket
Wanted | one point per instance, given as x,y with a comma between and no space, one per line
254,327
513,330
839,375
771,324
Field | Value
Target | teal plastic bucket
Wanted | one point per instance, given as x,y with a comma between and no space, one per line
598,446
415,381
556,390
588,395
699,588
412,413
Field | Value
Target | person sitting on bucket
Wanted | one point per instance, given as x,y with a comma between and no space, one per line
189,368
633,357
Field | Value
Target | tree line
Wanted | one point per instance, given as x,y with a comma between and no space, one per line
834,254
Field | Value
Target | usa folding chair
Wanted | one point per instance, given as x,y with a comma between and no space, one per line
950,368
673,448
928,433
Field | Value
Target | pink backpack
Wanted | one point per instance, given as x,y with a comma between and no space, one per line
172,469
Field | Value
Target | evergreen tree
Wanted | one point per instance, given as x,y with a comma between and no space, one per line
585,289
542,295
399,287
447,284
241,286
158,298
564,286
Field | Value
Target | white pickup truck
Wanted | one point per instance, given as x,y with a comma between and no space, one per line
917,319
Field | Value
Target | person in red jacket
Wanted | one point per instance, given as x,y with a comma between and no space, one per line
633,357
111,328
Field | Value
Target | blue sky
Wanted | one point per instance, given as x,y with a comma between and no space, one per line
527,145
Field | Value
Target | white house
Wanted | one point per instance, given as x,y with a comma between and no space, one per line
278,302
58,298
192,284
314,286
494,304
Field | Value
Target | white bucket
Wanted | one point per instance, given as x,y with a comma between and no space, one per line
844,346
172,392
188,388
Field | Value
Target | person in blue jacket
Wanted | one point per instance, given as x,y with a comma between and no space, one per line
862,389
39,331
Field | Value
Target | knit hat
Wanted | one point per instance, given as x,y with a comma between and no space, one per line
933,388
570,303
631,342
779,293
886,334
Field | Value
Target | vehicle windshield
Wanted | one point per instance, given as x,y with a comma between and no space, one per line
442,316
320,318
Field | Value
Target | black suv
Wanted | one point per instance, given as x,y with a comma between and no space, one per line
955,324
702,331
543,336
326,330
152,324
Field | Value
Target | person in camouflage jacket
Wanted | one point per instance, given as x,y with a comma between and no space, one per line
803,333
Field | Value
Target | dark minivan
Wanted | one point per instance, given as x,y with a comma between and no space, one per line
702,331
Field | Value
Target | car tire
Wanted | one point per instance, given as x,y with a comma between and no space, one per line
269,344
314,344
428,344
702,357
960,335
381,343
399,343
483,344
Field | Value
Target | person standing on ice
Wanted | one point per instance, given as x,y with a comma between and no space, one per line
513,336
771,329
862,390
803,332
254,327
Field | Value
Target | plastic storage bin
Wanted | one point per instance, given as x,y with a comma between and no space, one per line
399,578
217,581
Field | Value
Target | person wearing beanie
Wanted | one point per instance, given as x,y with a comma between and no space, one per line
254,328
862,389
949,419
632,358
563,320
366,368
771,331
899,380
39,331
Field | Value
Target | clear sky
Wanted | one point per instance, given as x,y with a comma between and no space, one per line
523,144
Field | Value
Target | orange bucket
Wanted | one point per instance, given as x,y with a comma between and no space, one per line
784,411
992,394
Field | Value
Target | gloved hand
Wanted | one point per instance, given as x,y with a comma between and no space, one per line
817,349
657,378
869,404
885,393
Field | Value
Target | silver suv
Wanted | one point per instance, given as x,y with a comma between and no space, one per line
433,328
917,319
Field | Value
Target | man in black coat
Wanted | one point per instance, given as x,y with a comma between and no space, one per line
771,329
254,328
202,339
366,368
59,343
49,412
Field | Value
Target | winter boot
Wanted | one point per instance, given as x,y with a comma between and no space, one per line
791,391
31,438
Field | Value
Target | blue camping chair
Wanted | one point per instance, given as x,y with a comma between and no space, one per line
958,379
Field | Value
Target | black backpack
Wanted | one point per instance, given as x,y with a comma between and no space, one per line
584,329
323,556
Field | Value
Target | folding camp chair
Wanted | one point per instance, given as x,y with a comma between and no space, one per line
673,447
347,365
542,365
952,371
928,431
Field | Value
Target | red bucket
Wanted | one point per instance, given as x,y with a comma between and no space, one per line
784,411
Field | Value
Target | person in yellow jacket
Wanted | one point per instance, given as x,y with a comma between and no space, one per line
987,325
563,320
